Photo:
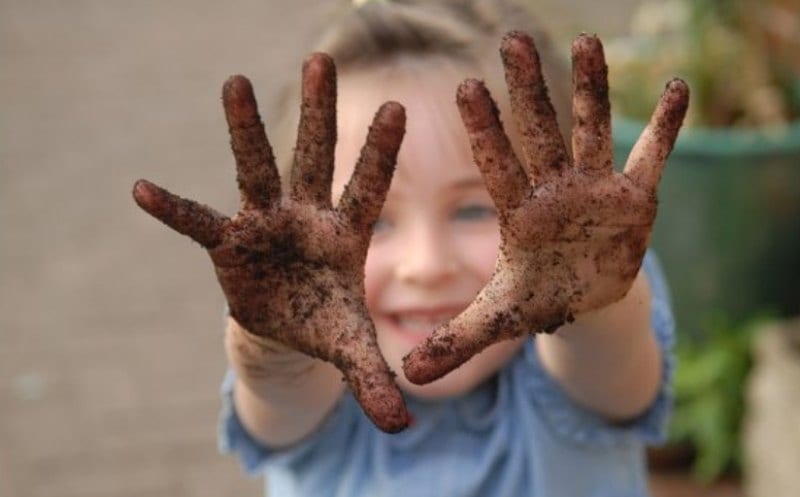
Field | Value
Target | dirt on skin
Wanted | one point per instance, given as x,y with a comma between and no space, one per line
291,266
573,233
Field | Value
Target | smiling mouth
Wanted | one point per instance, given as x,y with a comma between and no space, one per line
420,325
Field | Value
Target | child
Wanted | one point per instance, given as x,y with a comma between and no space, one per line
528,241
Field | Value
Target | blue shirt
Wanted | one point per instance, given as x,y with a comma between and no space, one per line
515,435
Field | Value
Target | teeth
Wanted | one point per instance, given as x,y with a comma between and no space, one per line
422,325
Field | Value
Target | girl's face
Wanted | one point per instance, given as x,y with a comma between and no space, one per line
435,244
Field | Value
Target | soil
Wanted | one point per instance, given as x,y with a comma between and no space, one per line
681,484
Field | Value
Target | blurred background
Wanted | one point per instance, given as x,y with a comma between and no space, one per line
111,326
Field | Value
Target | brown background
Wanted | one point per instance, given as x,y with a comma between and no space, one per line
110,325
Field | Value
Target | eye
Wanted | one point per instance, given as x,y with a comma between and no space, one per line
475,212
381,225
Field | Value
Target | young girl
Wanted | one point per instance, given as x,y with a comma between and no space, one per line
425,295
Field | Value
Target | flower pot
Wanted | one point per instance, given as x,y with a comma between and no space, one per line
728,225
670,457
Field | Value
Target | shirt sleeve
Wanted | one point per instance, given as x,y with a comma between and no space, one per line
582,426
256,457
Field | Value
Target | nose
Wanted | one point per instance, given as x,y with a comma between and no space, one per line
427,257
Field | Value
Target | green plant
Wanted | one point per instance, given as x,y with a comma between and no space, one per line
738,56
709,394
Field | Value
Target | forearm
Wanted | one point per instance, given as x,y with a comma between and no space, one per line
608,360
280,394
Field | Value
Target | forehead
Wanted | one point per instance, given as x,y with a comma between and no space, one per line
426,88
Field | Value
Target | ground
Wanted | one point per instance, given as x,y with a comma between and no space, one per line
110,325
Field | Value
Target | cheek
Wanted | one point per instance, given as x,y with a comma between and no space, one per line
480,252
376,270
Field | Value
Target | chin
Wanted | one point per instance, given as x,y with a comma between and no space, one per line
459,381
454,384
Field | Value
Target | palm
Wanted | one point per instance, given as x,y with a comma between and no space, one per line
573,232
585,236
281,275
291,265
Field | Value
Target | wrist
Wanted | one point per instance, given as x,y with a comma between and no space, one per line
630,312
261,362
236,334
616,339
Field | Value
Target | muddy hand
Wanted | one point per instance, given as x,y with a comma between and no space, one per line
574,233
292,266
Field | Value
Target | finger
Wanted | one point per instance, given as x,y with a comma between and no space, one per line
591,111
365,193
545,152
354,351
482,324
373,386
646,160
316,136
504,177
202,223
256,174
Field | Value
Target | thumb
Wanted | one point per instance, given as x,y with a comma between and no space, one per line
373,386
480,325
354,351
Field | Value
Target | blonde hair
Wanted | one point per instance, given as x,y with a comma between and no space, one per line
378,33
